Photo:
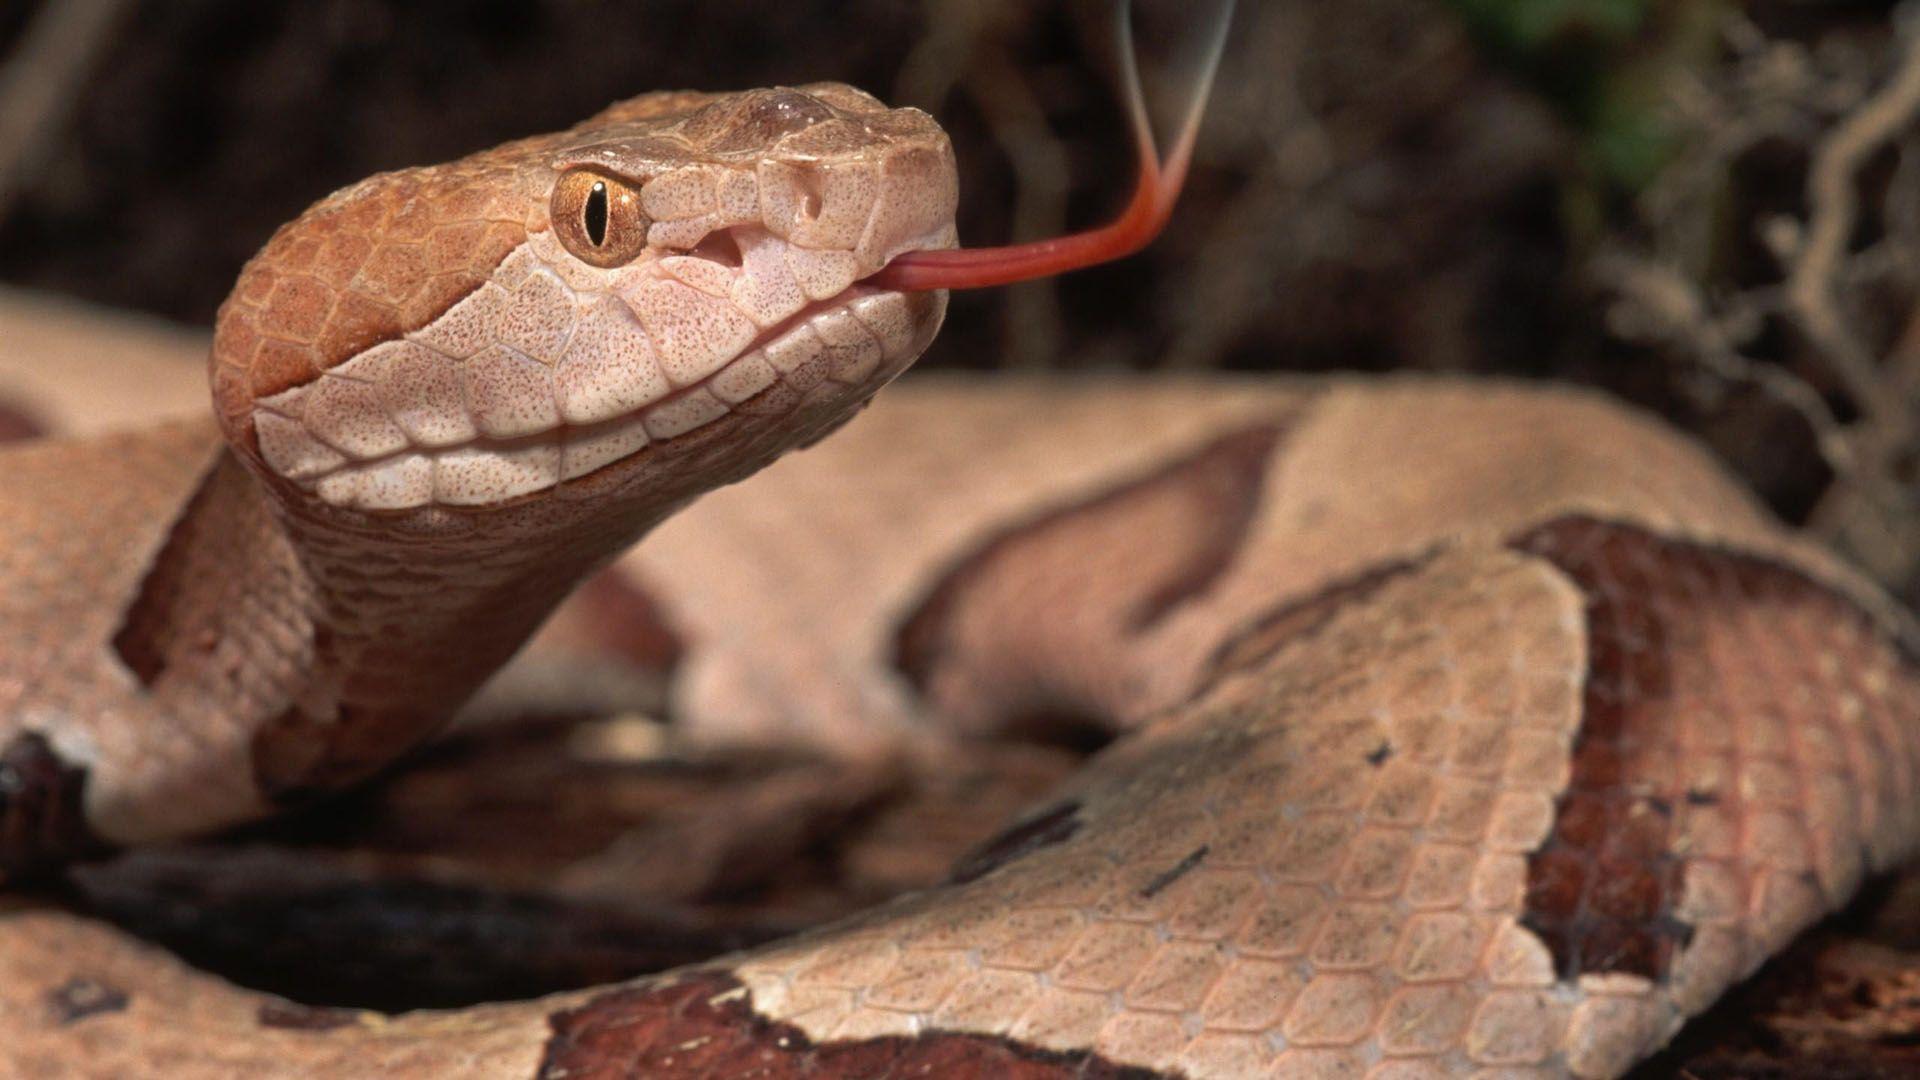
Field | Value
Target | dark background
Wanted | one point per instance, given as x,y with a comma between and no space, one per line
1599,191
1710,207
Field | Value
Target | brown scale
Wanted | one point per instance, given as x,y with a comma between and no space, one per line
992,642
1262,639
613,614
704,1025
1602,890
17,424
365,265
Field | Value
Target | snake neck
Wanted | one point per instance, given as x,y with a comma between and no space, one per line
406,626
353,640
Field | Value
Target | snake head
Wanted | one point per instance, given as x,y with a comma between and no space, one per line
658,300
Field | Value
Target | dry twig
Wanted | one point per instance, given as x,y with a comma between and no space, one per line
1776,91
1833,198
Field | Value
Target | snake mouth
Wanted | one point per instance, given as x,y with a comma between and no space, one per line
516,427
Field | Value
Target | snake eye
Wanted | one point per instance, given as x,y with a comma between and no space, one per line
598,217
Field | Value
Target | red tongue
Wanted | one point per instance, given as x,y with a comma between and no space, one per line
1146,214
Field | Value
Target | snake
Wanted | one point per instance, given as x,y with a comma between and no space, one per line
1467,728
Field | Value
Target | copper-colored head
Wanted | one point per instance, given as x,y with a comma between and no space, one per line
469,334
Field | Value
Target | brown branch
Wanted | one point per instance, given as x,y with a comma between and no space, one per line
1675,313
1874,516
1784,90
1834,201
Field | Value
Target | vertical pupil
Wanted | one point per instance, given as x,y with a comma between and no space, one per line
594,215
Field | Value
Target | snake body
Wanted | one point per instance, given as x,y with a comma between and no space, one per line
1471,729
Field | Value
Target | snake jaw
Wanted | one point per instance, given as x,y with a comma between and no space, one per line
539,367
403,426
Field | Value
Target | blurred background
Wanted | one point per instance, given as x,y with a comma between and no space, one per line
1707,206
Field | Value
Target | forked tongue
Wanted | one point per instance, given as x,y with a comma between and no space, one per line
1146,214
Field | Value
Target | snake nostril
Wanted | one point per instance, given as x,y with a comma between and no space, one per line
813,192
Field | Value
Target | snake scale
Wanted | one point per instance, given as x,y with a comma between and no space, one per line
1472,729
